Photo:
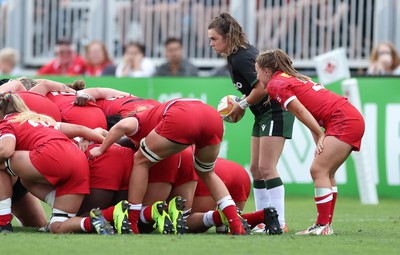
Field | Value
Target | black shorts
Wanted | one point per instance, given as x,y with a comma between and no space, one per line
18,191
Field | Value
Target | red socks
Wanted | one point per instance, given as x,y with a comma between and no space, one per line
254,218
217,218
323,200
134,214
108,214
147,214
87,226
334,197
5,219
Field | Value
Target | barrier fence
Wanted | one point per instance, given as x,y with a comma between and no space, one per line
304,28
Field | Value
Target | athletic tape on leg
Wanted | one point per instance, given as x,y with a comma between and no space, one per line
8,167
60,216
148,153
203,166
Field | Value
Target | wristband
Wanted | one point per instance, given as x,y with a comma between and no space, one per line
243,104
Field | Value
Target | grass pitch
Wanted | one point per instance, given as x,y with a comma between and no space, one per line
359,229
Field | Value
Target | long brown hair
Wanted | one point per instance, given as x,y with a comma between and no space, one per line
12,103
277,60
231,31
104,50
393,52
28,83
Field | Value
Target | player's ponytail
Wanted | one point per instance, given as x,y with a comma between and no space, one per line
10,102
77,85
277,60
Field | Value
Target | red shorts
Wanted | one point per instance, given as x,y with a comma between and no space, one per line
166,170
63,165
112,169
186,171
235,177
347,125
191,122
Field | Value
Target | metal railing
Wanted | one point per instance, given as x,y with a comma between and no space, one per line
304,28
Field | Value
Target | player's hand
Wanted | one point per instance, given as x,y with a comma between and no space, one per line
83,145
82,99
101,131
320,145
95,152
236,112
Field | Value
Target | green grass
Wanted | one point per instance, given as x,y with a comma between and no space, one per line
359,229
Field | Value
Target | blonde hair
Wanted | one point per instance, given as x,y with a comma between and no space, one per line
12,103
277,60
231,31
9,55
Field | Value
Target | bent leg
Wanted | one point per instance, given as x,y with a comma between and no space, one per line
322,170
29,211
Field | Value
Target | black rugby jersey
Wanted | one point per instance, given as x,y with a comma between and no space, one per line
241,66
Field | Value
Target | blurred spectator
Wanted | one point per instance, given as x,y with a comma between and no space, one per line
176,65
67,61
134,63
8,62
220,70
384,60
97,58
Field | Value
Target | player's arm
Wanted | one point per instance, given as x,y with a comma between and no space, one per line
46,86
246,67
302,114
74,130
97,93
257,93
12,85
127,126
7,147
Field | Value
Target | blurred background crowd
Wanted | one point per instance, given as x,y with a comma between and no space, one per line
145,38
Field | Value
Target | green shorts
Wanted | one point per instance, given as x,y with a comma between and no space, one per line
274,123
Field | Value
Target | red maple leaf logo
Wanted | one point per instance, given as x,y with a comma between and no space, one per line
330,67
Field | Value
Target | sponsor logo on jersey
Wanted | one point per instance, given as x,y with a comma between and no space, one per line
285,75
263,127
238,85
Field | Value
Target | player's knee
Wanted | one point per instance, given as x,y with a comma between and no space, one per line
57,218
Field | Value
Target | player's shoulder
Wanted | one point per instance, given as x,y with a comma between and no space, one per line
250,52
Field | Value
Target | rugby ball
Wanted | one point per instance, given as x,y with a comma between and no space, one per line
225,106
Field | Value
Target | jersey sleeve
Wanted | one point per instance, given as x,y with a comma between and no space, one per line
6,130
280,92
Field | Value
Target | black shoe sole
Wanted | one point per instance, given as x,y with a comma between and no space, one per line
272,226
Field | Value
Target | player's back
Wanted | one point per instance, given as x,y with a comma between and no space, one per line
40,104
30,134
